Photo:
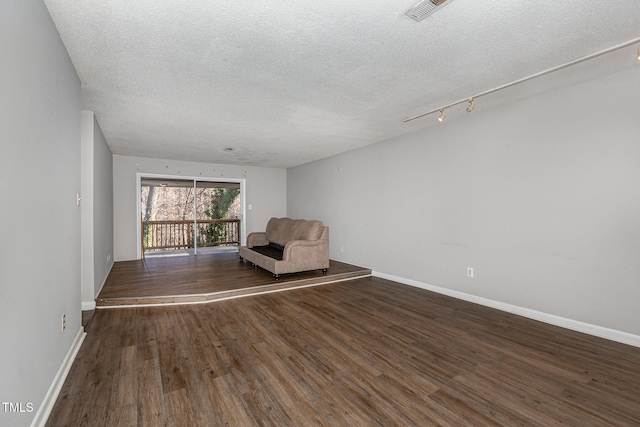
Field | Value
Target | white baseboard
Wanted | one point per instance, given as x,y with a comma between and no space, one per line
54,390
88,305
575,325
91,305
104,281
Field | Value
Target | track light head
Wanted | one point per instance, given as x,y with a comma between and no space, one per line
471,105
441,116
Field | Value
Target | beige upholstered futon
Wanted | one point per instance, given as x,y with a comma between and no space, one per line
289,246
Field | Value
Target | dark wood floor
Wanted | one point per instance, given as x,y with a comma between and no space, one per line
205,277
364,352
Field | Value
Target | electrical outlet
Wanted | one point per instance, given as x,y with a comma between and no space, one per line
64,321
470,272
341,249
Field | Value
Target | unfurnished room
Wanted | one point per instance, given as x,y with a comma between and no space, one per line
301,213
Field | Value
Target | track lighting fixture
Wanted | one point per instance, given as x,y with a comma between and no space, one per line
576,61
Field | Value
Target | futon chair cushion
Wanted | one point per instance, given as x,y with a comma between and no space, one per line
282,230
269,250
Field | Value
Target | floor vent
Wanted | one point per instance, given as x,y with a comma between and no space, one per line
426,8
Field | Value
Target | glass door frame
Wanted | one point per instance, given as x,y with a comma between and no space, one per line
140,176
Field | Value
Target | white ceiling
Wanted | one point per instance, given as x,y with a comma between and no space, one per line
287,82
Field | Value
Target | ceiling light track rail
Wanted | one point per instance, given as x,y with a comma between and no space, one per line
525,79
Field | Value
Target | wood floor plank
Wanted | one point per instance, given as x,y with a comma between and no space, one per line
178,407
365,352
125,392
150,400
232,403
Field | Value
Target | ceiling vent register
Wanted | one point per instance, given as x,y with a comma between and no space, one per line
426,8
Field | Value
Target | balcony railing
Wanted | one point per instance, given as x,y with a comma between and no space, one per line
166,235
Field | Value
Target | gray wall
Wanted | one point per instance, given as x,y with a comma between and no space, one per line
86,210
540,197
265,188
96,209
102,208
39,219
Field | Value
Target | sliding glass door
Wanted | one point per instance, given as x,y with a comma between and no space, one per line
218,211
185,215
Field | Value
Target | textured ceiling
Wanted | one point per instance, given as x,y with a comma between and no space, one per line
287,82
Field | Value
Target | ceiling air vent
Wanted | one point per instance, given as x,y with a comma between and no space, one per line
426,8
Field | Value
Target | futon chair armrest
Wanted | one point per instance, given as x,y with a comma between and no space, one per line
258,238
302,248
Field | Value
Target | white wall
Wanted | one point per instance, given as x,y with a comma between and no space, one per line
39,219
96,209
540,197
266,192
